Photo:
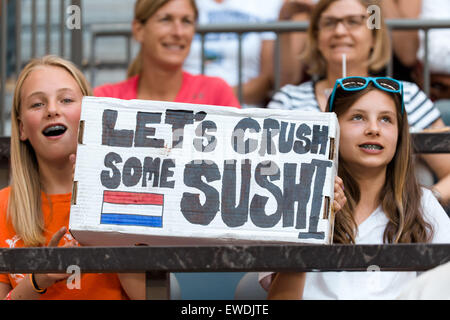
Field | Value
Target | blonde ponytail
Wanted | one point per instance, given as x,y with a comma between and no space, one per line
135,66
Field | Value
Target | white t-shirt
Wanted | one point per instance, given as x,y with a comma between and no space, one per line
221,49
439,39
372,284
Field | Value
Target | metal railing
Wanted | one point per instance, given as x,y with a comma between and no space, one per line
158,261
124,30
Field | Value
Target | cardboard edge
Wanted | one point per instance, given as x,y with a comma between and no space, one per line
113,238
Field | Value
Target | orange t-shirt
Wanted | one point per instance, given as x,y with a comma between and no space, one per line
94,286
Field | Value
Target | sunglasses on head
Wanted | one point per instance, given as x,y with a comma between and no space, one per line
360,83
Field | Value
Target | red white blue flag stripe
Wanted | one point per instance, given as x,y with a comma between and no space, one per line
132,208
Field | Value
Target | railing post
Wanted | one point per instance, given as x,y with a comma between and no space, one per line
33,29
48,27
277,63
240,93
202,48
77,39
3,52
62,27
157,285
18,35
390,66
92,58
426,68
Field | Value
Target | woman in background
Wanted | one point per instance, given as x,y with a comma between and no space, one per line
340,27
165,29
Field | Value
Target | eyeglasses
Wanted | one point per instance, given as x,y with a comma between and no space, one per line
360,83
350,22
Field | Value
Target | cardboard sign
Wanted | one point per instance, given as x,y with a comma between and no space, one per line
171,173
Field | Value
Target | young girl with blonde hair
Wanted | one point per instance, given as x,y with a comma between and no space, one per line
34,209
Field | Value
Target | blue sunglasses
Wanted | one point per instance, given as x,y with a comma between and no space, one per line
360,83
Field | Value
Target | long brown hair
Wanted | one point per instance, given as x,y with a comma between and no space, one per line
313,58
401,194
24,205
143,10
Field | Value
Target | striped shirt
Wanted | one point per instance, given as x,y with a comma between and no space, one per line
421,110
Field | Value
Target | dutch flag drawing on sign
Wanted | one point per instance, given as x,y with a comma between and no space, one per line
132,208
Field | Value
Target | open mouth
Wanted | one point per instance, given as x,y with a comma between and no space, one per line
371,146
54,131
